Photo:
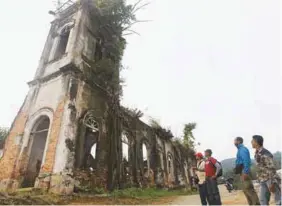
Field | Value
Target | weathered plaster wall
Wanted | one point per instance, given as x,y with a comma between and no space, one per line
49,95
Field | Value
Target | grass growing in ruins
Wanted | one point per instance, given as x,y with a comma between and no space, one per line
148,193
133,196
130,196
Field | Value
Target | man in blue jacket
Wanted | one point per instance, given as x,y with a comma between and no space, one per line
243,164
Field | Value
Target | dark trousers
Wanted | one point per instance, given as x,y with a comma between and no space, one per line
213,192
203,193
249,191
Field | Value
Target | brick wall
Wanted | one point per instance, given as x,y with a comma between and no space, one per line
11,150
53,139
9,168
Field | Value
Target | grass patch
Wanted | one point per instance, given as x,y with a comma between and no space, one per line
149,193
132,196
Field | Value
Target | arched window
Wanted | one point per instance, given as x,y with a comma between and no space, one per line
62,43
91,141
145,157
38,137
125,147
169,163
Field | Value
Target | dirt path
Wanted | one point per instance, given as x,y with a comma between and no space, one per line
233,198
227,198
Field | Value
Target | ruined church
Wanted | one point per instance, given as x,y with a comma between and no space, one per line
65,137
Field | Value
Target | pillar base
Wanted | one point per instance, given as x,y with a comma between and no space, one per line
9,185
43,181
62,183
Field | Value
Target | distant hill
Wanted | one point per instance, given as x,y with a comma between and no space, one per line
228,164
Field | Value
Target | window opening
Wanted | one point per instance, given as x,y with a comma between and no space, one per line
63,42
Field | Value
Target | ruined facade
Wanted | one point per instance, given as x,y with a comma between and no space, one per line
60,139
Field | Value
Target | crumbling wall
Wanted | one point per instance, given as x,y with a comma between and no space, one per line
159,148
90,102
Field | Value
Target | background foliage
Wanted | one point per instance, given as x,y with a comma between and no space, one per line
3,133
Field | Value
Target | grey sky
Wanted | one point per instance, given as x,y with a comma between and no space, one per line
212,62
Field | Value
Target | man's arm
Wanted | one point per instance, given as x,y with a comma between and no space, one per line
269,165
216,165
245,155
218,168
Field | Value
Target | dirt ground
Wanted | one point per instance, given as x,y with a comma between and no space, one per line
233,198
123,201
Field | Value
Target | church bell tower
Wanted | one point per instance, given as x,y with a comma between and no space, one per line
61,125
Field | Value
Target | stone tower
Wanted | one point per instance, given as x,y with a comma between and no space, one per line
62,119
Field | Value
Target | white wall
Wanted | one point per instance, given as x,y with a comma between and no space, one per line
49,94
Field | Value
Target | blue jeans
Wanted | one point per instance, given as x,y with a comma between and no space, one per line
265,193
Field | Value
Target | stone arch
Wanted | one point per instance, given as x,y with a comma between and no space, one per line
125,146
65,27
61,42
125,164
160,156
91,140
170,163
33,122
90,121
38,144
145,154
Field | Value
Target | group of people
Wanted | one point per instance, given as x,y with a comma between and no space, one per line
208,169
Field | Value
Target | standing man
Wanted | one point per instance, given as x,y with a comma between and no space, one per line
212,169
270,182
243,163
201,177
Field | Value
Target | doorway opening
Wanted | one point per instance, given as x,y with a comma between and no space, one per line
38,141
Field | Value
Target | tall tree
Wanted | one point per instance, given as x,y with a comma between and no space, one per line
188,137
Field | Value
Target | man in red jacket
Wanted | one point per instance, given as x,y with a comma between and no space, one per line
212,169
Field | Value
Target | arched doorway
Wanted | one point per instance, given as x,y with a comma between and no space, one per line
145,159
125,154
38,137
125,148
90,149
170,164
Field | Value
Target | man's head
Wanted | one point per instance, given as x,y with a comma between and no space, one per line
199,156
238,140
208,153
257,141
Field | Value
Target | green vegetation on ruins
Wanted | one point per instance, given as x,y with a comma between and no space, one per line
3,133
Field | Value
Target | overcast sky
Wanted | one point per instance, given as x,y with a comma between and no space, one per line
215,63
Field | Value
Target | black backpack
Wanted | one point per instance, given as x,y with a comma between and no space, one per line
220,173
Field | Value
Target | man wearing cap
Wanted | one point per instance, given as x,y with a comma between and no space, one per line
200,175
212,169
